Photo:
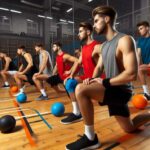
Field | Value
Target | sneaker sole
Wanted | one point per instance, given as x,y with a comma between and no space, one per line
90,147
72,121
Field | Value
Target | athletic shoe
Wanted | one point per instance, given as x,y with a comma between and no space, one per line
147,96
72,118
84,144
5,86
41,97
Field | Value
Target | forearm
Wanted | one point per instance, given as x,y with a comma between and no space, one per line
97,72
74,68
123,78
27,69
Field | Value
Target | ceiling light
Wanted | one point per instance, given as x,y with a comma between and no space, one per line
16,11
70,9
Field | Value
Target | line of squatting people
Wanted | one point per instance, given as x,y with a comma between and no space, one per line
117,57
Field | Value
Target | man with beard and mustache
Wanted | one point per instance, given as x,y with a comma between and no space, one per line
89,50
118,58
143,47
64,63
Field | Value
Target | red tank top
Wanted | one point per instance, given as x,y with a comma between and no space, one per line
87,61
62,66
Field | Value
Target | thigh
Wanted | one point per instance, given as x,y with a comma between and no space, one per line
23,77
42,77
93,91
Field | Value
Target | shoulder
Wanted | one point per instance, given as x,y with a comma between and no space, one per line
126,39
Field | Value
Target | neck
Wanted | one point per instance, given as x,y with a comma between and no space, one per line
88,40
147,35
59,52
110,33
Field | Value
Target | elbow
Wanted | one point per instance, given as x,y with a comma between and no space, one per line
133,77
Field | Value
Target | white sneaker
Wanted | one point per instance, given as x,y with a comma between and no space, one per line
18,94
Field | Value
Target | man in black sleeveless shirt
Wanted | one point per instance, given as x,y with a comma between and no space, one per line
27,69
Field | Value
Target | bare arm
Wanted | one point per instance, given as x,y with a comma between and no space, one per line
30,62
20,68
127,48
96,52
77,62
99,68
44,59
55,70
73,60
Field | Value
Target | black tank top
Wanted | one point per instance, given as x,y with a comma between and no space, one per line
25,64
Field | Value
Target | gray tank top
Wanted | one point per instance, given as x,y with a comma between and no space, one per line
109,58
49,67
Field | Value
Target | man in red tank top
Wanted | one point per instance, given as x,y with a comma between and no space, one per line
88,62
63,66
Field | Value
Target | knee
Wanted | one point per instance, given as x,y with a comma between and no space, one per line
34,78
2,72
79,89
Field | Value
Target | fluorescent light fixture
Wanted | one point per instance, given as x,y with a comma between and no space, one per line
55,8
70,9
117,23
5,18
29,20
49,17
90,1
62,20
15,11
41,16
2,8
71,22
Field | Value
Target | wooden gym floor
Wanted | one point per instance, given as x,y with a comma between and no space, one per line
34,134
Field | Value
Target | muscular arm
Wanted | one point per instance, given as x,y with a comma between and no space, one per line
76,62
126,47
44,62
7,62
30,62
99,68
55,70
96,52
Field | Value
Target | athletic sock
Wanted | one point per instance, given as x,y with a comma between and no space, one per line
89,132
76,110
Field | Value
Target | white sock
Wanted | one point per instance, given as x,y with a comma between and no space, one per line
76,110
89,132
6,83
145,89
43,92
21,90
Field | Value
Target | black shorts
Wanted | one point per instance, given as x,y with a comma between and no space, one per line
30,74
117,100
54,80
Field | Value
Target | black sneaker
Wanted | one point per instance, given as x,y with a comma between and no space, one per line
5,86
147,96
84,144
41,97
72,118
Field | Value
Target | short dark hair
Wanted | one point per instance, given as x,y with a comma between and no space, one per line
21,47
143,23
57,43
39,45
105,10
86,25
